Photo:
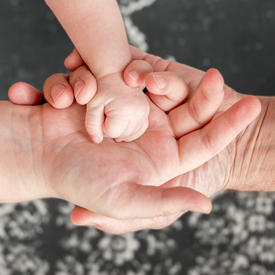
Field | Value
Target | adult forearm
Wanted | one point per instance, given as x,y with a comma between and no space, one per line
97,30
19,172
254,164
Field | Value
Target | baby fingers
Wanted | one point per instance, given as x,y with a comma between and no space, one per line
124,127
94,121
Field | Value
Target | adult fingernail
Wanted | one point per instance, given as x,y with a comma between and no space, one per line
57,91
160,80
134,75
78,87
199,209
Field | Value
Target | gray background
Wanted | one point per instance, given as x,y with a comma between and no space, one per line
234,36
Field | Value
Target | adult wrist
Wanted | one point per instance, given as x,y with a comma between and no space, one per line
21,153
254,161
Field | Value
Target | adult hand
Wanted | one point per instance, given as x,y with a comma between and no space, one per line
110,178
176,157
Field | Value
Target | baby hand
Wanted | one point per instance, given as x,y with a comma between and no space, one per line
117,110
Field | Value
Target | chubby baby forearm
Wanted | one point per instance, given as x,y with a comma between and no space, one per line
97,30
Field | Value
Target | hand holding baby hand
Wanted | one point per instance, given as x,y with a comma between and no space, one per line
117,110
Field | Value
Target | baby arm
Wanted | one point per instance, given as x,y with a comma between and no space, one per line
97,30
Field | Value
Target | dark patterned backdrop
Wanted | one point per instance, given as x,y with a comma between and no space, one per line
236,37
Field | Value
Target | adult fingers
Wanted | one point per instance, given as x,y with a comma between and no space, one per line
198,147
191,76
202,107
83,217
136,72
24,94
166,89
136,53
73,61
133,201
58,92
84,84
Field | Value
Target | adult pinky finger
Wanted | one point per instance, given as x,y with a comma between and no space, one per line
166,89
24,94
83,217
136,72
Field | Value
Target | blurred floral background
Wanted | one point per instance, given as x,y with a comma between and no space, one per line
238,237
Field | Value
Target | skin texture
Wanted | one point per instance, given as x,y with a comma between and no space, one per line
49,154
142,161
115,110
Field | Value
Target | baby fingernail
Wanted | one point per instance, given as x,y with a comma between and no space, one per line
134,75
78,87
57,91
160,81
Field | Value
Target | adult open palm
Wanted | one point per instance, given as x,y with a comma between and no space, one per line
216,173
108,178
119,180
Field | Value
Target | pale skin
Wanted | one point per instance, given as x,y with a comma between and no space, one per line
172,167
48,153
113,108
